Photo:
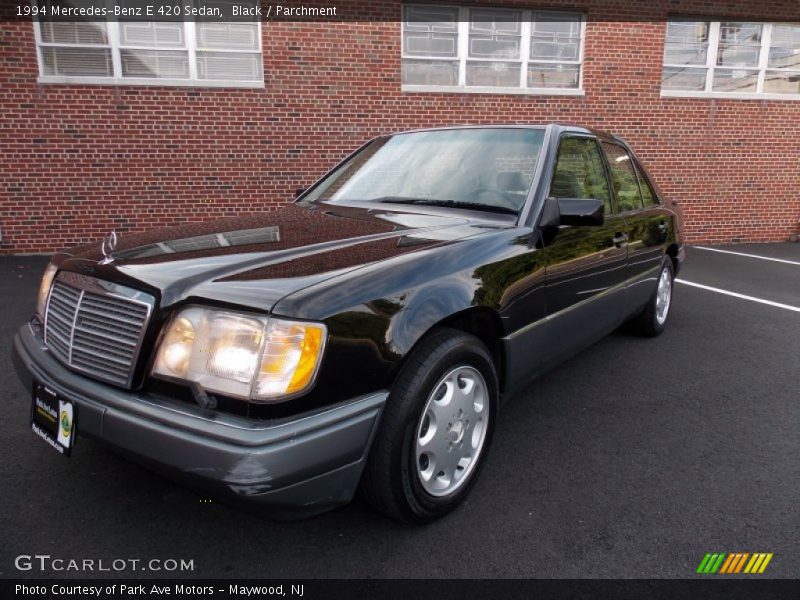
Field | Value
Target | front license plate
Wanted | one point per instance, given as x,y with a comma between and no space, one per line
53,418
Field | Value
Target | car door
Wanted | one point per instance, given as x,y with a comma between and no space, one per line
585,265
648,224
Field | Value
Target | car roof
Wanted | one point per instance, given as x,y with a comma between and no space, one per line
557,128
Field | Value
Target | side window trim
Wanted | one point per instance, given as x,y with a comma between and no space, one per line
641,175
609,181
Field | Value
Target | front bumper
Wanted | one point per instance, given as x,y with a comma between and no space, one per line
297,466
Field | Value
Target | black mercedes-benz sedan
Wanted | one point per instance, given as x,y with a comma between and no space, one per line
363,336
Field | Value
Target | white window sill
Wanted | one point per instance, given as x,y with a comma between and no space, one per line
728,95
447,89
145,81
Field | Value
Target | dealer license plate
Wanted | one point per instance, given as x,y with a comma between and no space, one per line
53,418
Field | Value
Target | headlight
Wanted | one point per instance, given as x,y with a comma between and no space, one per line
44,289
236,354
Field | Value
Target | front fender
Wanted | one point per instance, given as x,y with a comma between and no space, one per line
427,307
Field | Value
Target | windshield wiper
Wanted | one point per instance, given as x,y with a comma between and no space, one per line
446,203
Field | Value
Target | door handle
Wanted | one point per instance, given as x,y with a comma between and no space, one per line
619,239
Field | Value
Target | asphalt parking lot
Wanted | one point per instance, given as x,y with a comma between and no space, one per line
633,459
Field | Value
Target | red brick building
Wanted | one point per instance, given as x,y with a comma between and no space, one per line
131,126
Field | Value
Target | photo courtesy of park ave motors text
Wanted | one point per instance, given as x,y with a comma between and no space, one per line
382,276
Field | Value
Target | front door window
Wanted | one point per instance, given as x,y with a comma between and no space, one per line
579,172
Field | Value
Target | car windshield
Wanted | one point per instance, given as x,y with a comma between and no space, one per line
487,169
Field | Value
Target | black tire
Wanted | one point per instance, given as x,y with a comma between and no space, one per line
647,322
391,481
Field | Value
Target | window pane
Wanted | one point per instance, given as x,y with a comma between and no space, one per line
495,22
430,31
784,58
430,72
739,44
152,34
735,80
495,74
685,54
738,56
691,79
686,44
495,34
579,172
430,44
555,36
553,76
229,66
648,195
227,36
69,32
738,33
481,46
623,177
443,19
77,61
154,63
556,26
786,35
777,82
687,32
568,50
785,50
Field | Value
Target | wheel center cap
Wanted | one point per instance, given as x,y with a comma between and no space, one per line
456,432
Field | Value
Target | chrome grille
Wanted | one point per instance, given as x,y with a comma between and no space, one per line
96,326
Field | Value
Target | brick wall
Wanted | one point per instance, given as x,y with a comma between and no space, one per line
78,161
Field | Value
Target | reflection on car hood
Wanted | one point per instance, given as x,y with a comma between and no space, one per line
257,259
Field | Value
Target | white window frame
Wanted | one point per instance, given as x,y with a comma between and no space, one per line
113,42
462,56
711,64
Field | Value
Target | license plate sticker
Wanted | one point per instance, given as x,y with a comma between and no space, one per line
53,418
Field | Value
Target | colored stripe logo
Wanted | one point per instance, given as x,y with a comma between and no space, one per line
735,562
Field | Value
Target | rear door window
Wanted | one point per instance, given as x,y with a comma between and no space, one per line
648,195
623,177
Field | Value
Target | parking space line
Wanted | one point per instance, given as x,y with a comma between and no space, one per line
780,260
737,295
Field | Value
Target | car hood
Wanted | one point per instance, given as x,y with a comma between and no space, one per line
257,259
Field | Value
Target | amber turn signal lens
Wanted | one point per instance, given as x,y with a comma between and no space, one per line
44,289
311,348
291,358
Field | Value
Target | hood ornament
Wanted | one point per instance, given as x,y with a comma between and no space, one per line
107,247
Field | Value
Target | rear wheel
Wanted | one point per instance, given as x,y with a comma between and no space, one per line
653,319
436,429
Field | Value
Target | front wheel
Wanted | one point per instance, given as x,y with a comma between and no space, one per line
653,319
436,429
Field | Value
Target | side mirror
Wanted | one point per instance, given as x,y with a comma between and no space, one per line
572,211
299,192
